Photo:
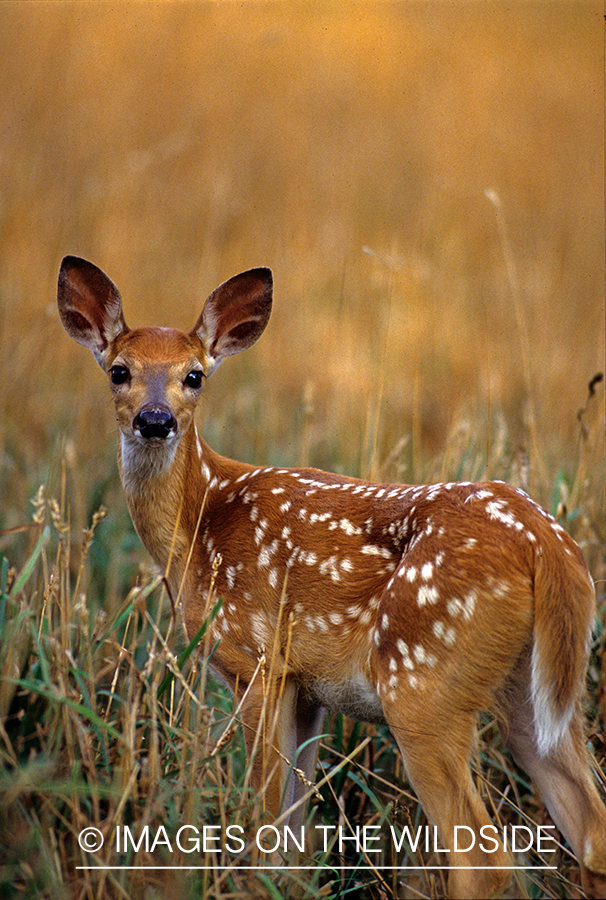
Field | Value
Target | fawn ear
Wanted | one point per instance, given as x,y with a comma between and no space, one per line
235,314
89,305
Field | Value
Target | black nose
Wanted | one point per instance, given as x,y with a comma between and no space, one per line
155,423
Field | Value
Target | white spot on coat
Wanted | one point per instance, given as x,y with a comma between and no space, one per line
428,593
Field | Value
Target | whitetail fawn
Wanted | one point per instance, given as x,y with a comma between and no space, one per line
414,606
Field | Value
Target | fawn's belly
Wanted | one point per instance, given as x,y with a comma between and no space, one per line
354,697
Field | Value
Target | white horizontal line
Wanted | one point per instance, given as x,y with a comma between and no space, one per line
315,868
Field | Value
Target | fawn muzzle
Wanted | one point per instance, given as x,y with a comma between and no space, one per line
155,422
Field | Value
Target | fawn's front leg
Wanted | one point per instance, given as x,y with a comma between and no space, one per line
281,729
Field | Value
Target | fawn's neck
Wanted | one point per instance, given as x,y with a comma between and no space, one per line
169,493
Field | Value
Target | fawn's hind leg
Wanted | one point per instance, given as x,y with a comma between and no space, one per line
436,747
565,782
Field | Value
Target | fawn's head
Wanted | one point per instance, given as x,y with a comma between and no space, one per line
156,374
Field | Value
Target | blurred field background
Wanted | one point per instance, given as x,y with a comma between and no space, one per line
426,182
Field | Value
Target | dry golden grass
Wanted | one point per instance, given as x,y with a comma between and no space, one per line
426,181
175,144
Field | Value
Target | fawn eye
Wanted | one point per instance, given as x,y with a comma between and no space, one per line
194,379
118,374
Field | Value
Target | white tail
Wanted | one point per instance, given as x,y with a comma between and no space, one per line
414,606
